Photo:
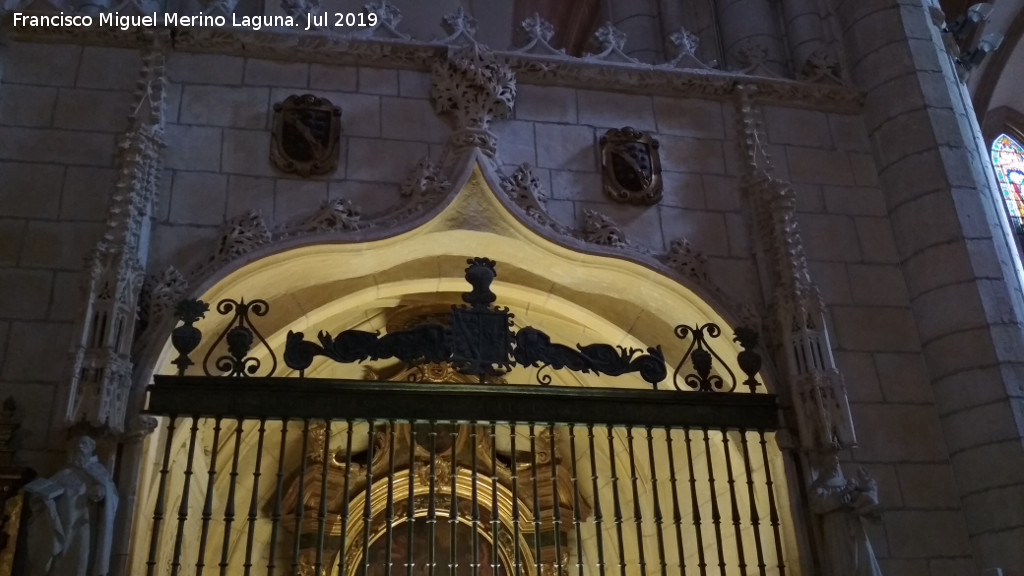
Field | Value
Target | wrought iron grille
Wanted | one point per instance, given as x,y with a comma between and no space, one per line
445,474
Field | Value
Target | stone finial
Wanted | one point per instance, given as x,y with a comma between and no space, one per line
460,26
686,43
388,17
611,40
752,56
821,66
472,87
539,31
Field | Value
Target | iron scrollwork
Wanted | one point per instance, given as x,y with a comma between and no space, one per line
239,336
534,348
426,343
702,356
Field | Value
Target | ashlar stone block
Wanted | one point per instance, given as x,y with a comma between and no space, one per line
27,105
188,68
193,148
545,104
24,294
198,198
236,107
690,117
614,110
30,190
566,147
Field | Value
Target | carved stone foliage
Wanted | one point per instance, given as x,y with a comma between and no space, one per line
687,260
336,215
686,44
601,230
425,179
525,191
631,166
472,87
306,135
238,237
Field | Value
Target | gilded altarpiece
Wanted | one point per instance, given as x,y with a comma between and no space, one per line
464,471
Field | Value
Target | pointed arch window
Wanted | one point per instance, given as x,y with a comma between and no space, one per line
1008,159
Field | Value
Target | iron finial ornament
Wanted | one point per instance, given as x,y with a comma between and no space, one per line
306,135
631,166
749,360
186,338
481,333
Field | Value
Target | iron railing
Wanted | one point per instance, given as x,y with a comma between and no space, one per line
444,472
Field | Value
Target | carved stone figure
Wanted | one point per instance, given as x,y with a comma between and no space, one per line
844,504
72,525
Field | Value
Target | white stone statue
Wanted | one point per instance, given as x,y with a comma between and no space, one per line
844,505
71,528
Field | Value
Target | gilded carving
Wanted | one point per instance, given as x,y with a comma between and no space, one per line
306,135
631,166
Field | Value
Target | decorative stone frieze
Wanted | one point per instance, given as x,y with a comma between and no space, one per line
100,378
382,52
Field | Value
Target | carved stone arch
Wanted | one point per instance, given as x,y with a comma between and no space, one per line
474,205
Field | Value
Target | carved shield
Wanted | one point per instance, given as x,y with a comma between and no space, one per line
631,166
306,135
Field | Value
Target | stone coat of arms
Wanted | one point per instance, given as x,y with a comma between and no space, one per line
631,166
306,135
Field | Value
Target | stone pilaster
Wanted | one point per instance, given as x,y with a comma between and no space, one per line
101,374
957,259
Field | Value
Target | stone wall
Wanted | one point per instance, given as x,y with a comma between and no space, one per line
63,106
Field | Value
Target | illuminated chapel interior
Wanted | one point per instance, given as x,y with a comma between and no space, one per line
517,287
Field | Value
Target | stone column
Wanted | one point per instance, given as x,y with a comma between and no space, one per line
956,256
750,35
805,31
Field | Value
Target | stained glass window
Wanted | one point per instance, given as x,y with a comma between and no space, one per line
1008,158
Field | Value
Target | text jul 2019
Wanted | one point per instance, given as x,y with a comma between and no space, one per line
126,21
